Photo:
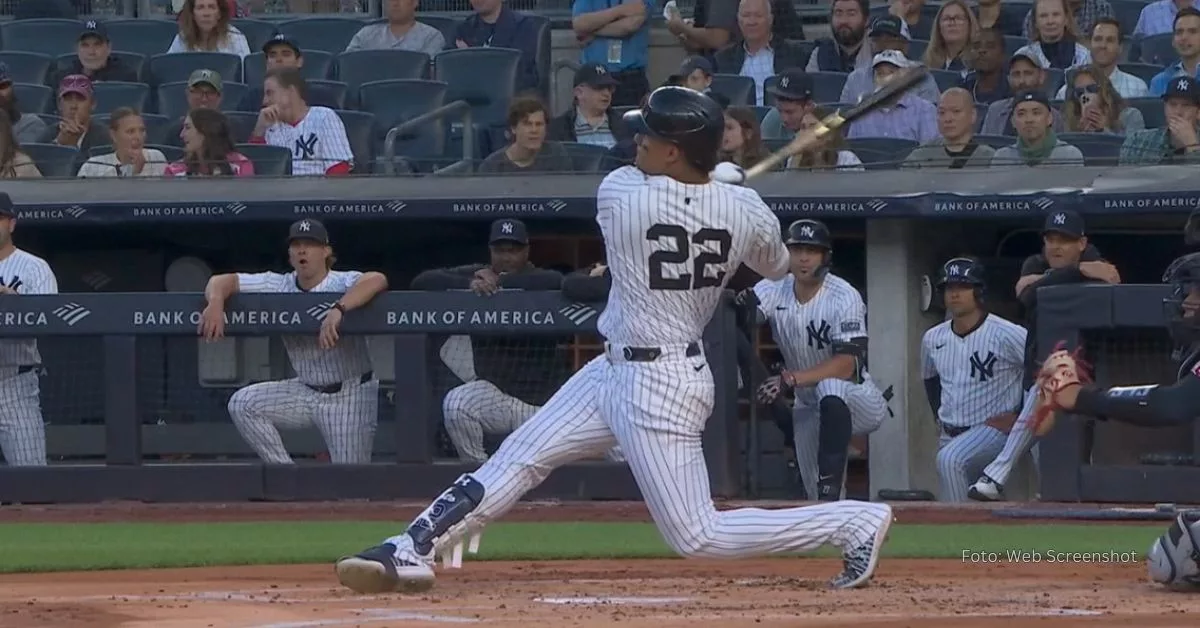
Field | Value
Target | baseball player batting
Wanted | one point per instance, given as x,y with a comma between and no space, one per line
972,366
819,322
22,431
334,388
673,238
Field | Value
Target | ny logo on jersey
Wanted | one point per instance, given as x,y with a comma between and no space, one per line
983,368
306,146
818,336
13,283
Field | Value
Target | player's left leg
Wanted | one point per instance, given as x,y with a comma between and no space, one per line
347,419
960,459
845,409
657,411
22,430
990,486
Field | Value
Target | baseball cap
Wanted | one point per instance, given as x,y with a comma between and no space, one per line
281,39
75,84
1029,54
890,25
793,84
509,230
894,57
5,75
205,77
93,28
696,62
594,75
308,229
1032,95
1183,87
1066,222
6,205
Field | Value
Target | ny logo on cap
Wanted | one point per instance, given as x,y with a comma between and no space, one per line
955,270
1183,84
806,231
506,227
305,226
91,25
783,81
601,70
1060,219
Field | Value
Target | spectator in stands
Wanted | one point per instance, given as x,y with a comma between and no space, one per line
93,57
919,26
1158,17
528,150
282,52
75,105
955,147
203,92
315,135
1180,141
1095,107
208,148
617,36
887,33
26,127
592,120
759,55
848,47
402,31
951,42
742,143
1055,38
14,164
204,26
830,153
712,27
500,394
494,24
906,116
793,100
1187,46
1037,143
1083,14
696,73
130,157
991,17
1026,72
986,81
1106,48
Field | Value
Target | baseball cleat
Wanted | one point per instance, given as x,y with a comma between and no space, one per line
385,569
986,490
858,564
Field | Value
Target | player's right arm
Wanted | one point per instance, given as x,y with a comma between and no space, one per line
929,373
221,288
439,279
768,255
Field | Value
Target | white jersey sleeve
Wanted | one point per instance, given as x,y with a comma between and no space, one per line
1012,343
342,280
768,255
851,319
767,292
44,281
928,368
261,282
614,192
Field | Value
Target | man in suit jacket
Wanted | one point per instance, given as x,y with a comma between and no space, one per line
495,25
759,55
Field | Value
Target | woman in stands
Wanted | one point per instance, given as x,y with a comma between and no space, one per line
208,148
742,143
830,155
955,28
204,27
14,164
130,157
1092,105
1054,36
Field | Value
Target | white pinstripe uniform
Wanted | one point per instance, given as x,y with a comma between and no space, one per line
346,418
980,375
1020,439
805,334
22,430
671,248
317,142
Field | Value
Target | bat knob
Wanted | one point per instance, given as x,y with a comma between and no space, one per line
728,172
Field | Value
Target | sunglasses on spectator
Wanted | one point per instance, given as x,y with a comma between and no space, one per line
1087,89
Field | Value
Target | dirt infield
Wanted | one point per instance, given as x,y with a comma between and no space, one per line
642,593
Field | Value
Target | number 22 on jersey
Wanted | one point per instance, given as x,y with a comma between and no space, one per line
706,269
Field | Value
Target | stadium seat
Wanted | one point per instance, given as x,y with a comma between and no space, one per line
1157,50
1013,43
172,97
360,130
1099,149
34,98
27,67
946,79
365,66
1144,71
177,66
1055,78
1014,13
113,94
330,34
257,32
995,141
1152,111
980,114
241,124
147,37
156,126
542,55
484,77
827,87
337,89
880,153
271,161
53,160
916,48
317,66
52,120
738,89
761,112
394,102
585,158
51,37
447,25
1127,13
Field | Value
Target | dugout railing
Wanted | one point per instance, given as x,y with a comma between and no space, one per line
125,321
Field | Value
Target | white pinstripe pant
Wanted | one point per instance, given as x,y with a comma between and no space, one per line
22,430
656,412
1020,439
867,407
961,459
346,419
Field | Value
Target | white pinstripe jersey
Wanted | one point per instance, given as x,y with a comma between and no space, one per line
980,372
314,365
806,332
25,273
672,247
318,142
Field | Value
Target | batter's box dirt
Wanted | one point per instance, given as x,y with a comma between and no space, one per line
637,594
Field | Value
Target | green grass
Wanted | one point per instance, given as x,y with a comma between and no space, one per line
63,547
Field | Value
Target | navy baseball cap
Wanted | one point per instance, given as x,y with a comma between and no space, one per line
509,230
308,229
1033,95
793,84
5,75
594,75
1183,87
1065,222
6,205
280,39
696,62
890,25
93,28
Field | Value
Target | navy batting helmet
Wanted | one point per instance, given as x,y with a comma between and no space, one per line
963,270
1183,275
690,120
809,232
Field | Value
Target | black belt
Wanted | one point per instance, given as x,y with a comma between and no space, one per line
650,354
337,388
954,431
